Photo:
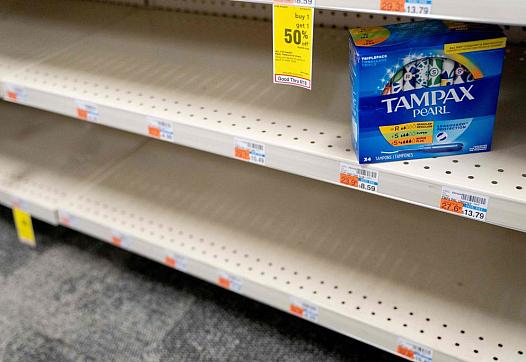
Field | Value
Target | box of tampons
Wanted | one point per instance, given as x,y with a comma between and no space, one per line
424,89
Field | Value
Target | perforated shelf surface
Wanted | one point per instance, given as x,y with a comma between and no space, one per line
212,82
44,157
34,30
376,269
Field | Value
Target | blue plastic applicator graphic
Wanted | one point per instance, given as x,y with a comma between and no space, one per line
450,147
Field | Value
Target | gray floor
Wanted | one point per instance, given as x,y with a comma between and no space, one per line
76,298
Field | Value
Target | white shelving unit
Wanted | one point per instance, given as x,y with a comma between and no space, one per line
210,83
444,285
370,267
488,11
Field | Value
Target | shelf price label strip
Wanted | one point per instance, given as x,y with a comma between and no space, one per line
304,310
467,204
250,151
229,282
359,177
14,93
176,261
160,129
417,7
413,351
86,111
293,31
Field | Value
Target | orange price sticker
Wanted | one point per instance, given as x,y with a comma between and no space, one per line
224,282
404,351
115,240
296,310
242,153
451,205
12,96
392,5
154,132
349,180
170,261
82,114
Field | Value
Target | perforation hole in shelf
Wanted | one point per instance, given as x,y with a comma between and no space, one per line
347,299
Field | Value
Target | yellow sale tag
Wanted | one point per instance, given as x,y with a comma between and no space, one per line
24,227
293,29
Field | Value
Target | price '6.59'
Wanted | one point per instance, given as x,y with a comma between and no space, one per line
292,35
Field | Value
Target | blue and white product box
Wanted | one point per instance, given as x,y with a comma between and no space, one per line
424,89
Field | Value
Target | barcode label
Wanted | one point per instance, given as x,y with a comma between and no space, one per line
367,173
303,309
249,151
466,204
359,177
86,111
476,199
176,261
14,93
414,351
161,129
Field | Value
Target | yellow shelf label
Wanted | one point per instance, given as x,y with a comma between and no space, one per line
24,227
293,29
475,46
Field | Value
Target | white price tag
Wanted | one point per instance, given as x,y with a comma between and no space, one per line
120,240
87,111
414,351
177,262
249,151
359,177
14,93
230,282
467,204
419,7
303,310
66,219
160,129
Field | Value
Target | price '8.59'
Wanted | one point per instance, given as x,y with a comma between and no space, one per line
292,35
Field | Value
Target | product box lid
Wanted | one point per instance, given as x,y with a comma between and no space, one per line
419,34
